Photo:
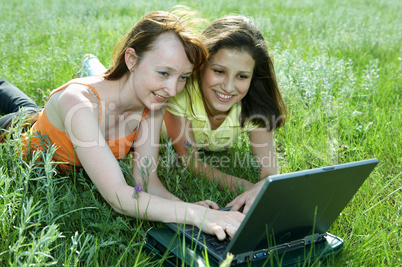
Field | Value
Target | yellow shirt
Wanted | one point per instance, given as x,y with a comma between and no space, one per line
212,140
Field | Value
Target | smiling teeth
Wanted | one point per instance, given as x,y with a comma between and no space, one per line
160,97
223,96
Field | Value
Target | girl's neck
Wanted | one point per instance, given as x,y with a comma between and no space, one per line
215,120
126,99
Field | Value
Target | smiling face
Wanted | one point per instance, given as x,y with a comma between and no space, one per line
226,80
161,73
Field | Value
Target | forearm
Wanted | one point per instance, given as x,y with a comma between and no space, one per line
266,173
154,208
143,205
153,186
267,169
158,189
263,147
200,168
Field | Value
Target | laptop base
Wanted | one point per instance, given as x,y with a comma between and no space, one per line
176,251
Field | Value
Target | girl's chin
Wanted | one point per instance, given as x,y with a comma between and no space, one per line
156,106
222,109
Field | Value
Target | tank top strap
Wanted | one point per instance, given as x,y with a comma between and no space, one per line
91,90
144,113
139,123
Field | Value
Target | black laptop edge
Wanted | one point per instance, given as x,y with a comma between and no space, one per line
333,243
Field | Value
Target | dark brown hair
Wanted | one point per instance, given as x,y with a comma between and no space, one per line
263,104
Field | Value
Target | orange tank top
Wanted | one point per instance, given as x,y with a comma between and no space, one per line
43,134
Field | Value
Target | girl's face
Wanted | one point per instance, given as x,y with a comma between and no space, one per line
226,80
161,73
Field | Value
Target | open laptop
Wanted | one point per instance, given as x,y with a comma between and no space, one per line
292,212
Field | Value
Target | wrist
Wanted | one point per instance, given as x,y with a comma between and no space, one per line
174,198
238,184
195,214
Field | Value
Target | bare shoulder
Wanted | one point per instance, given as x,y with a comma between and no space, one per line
77,93
73,99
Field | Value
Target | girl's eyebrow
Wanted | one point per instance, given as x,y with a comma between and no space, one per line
167,68
218,65
244,71
223,67
172,70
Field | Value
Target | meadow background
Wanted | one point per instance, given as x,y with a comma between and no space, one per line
339,66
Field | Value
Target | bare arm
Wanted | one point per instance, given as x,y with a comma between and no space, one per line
179,130
104,171
262,145
146,156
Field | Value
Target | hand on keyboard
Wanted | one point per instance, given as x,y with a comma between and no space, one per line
247,198
208,204
220,223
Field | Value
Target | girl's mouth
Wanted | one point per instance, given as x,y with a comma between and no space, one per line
159,98
223,97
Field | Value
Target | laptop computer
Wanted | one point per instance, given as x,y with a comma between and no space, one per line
291,214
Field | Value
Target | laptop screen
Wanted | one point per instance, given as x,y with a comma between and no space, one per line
295,205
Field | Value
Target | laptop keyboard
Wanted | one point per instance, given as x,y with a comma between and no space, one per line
210,241
218,247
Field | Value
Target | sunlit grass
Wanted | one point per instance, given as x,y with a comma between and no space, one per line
339,68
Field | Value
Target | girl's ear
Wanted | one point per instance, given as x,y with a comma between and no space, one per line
131,58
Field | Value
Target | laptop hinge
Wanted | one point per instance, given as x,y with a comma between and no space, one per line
285,247
314,238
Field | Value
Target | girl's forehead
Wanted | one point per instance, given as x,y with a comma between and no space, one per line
164,42
233,57
168,50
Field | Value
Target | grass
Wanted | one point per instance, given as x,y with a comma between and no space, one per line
339,66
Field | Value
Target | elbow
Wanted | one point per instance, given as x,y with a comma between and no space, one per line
117,209
115,205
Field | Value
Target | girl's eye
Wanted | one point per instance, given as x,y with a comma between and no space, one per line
218,71
164,73
243,76
184,78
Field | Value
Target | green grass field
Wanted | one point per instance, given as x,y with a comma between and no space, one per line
339,66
